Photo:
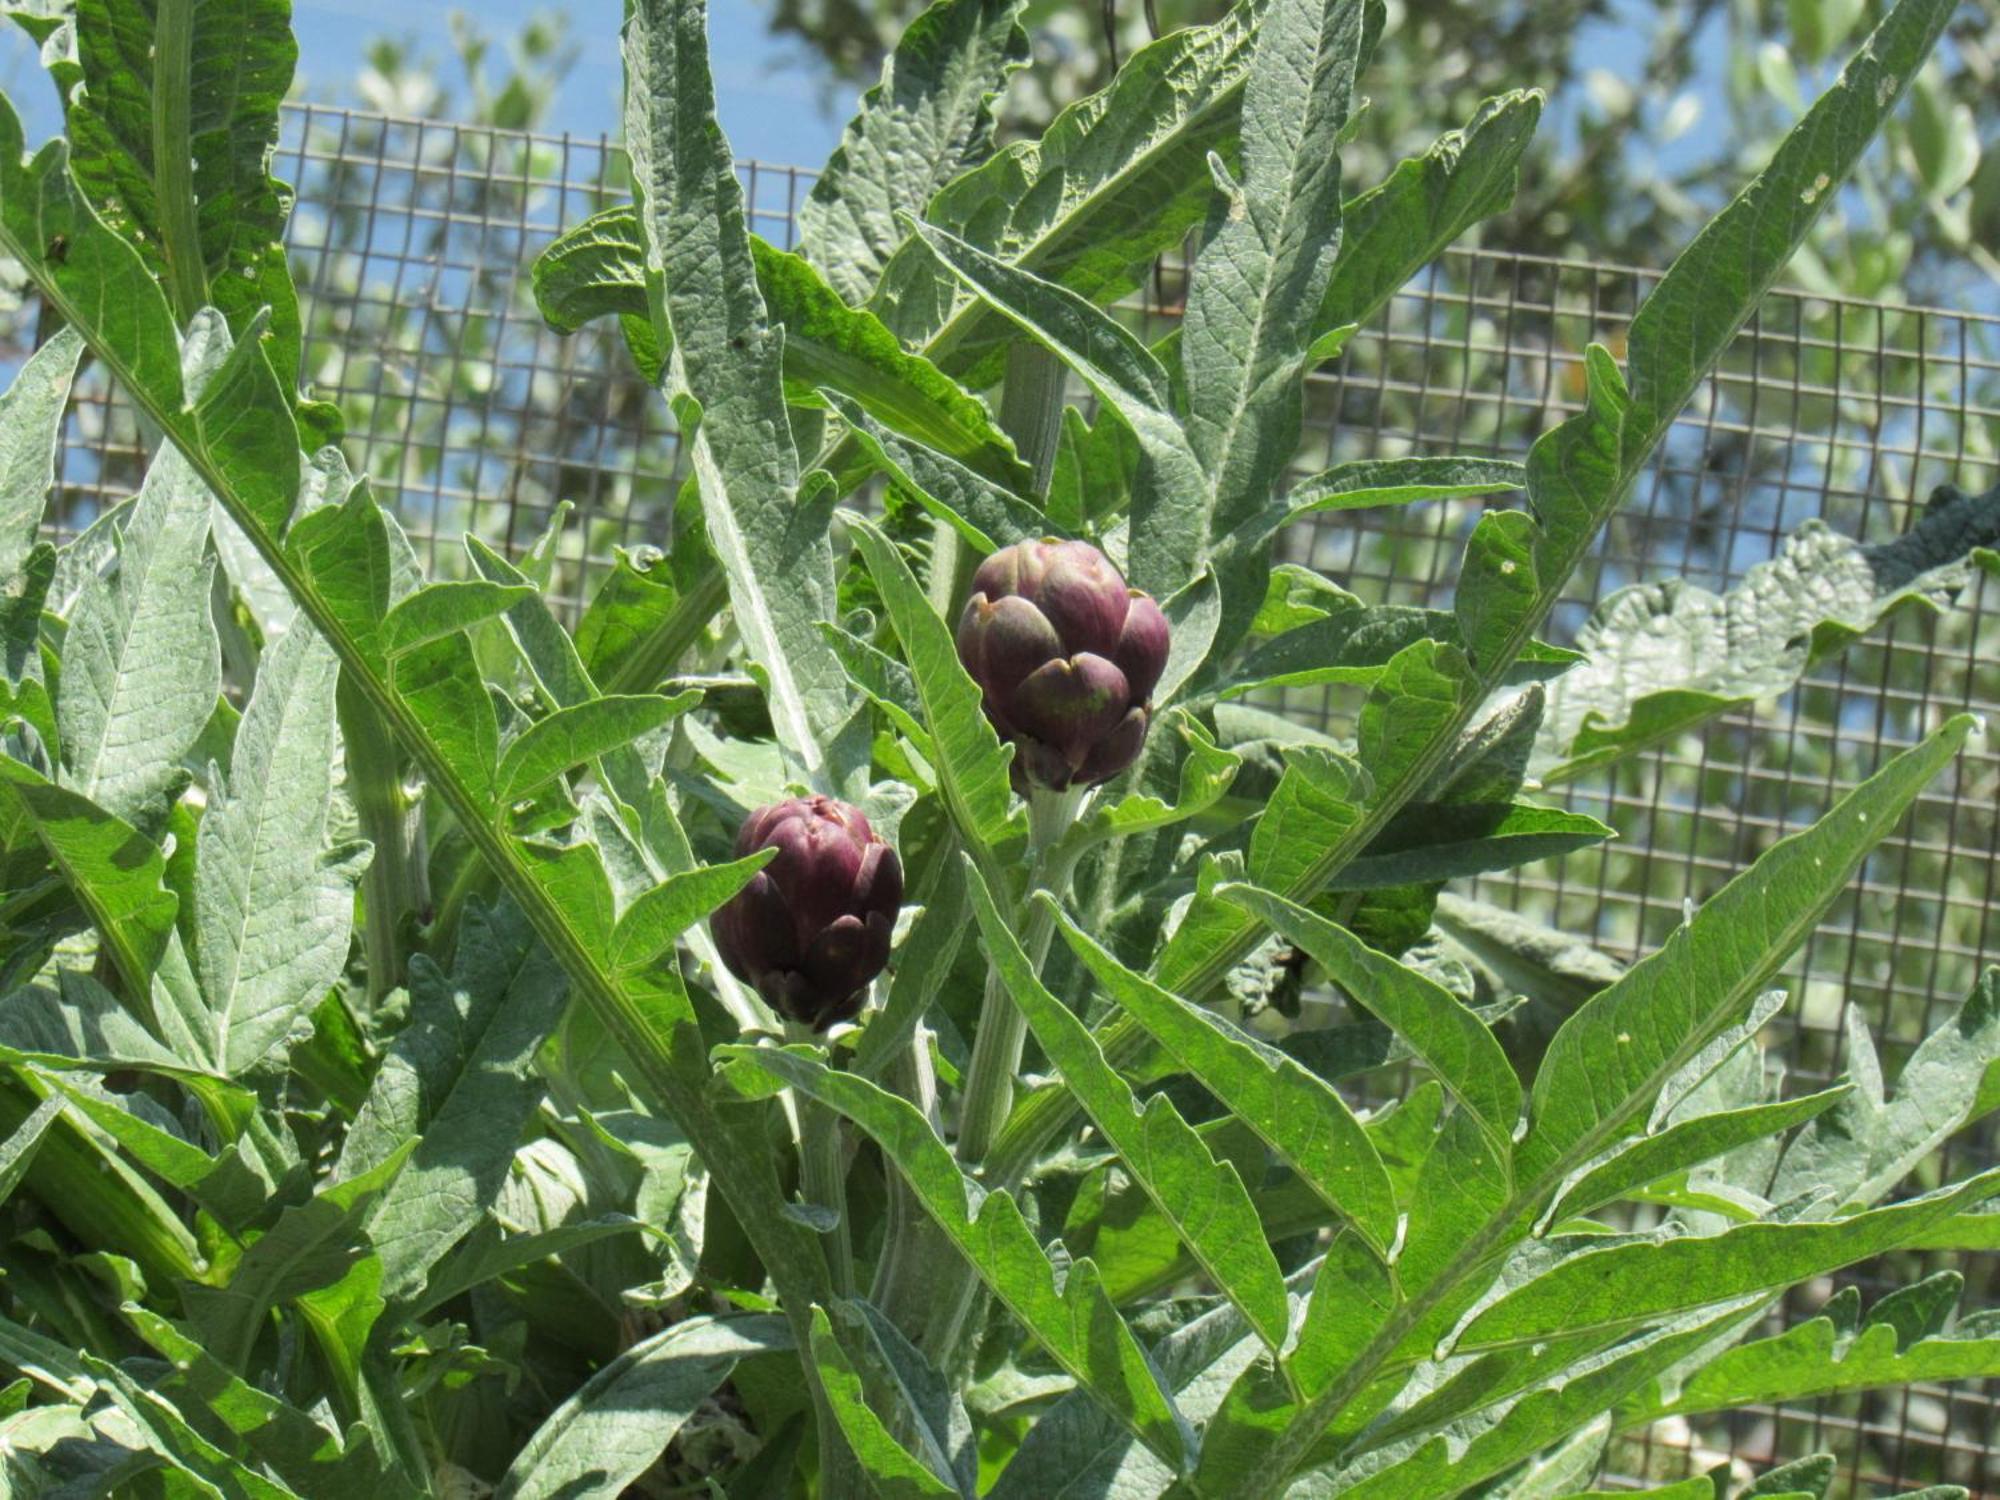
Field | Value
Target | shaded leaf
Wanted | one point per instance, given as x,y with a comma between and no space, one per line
617,1423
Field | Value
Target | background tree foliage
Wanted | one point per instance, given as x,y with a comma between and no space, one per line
1656,109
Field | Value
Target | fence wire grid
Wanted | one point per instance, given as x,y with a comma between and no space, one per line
412,241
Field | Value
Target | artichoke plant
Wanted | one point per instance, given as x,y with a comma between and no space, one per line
1066,657
811,929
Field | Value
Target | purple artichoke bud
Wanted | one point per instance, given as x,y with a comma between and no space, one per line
1066,658
812,927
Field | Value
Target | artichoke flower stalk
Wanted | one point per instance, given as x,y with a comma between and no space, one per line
810,932
1066,657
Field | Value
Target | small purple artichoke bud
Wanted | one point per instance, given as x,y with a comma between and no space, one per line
1066,658
812,927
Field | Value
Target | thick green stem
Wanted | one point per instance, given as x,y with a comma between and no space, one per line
958,1295
375,782
173,158
1003,1030
823,1175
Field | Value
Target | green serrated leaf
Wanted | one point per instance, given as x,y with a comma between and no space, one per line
598,269
1076,1322
441,609
1610,1059
1814,1359
258,1428
1399,226
830,345
1204,1199
1119,370
469,1136
17,1152
1629,1284
630,606
273,906
173,127
207,1469
1369,482
141,662
1868,1143
649,926
617,1423
1452,1041
893,1471
1246,339
1467,839
927,122
489,1253
311,1245
727,379
31,414
970,760
1685,1143
581,732
1117,179
1298,1115
986,514
117,873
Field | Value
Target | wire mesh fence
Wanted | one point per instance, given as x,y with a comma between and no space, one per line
411,242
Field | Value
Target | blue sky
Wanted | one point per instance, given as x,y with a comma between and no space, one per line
770,100
771,92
